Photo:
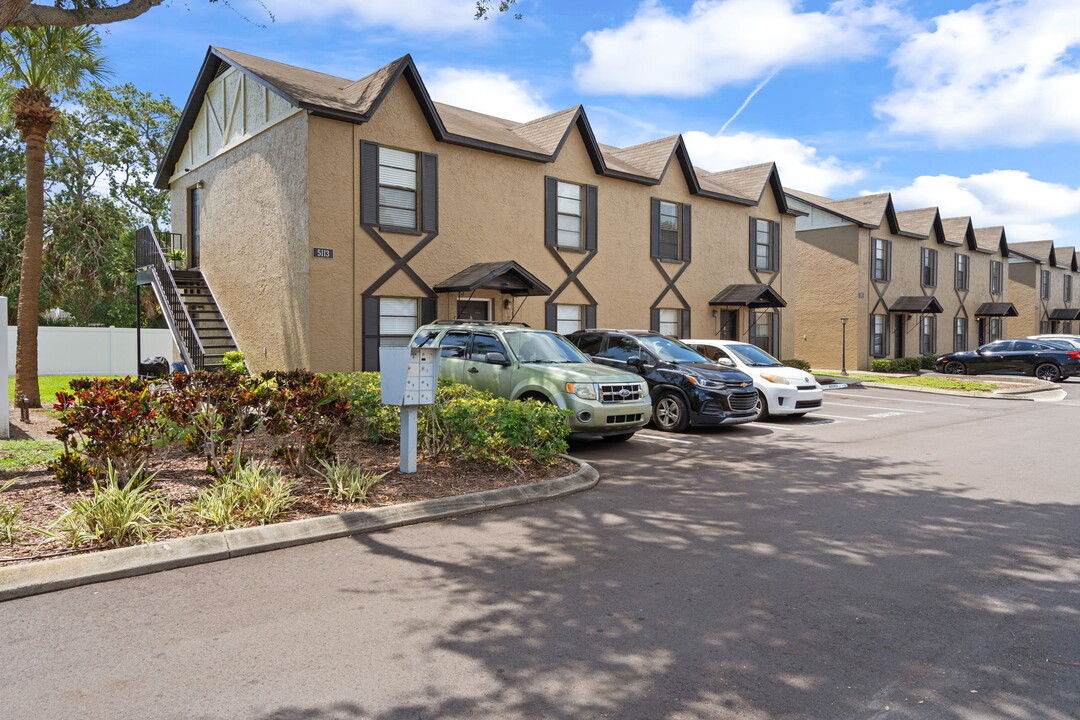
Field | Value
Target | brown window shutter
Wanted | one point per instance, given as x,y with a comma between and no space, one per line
590,217
369,183
551,316
428,311
753,243
551,211
654,319
654,229
590,316
774,249
685,327
685,232
371,334
429,178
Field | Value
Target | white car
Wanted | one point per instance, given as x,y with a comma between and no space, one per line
1072,341
783,390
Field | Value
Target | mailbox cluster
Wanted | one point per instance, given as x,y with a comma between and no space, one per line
409,377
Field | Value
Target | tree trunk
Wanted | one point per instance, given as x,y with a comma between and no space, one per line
26,348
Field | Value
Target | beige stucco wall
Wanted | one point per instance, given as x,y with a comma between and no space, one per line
1025,294
831,265
491,207
254,241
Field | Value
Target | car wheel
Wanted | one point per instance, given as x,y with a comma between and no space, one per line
1048,372
670,413
622,437
763,407
955,367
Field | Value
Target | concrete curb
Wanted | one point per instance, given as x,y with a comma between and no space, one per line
67,572
1035,386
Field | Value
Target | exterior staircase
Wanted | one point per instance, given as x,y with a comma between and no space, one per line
198,327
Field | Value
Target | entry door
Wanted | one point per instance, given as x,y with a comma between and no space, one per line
729,325
982,331
194,208
898,339
473,310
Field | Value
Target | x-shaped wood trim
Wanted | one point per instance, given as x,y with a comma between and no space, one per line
670,280
401,262
571,276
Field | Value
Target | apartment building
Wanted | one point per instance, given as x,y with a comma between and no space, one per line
1042,283
329,217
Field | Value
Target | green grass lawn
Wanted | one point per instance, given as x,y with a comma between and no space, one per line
923,381
49,386
17,455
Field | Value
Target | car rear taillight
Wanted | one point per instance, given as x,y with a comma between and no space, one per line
1075,355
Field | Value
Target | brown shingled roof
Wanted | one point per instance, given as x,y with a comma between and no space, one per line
1039,249
548,132
869,209
472,124
956,229
917,222
749,182
651,158
988,239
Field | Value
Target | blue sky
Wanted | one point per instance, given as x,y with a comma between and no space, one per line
972,107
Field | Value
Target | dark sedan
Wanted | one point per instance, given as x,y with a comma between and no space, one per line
1044,360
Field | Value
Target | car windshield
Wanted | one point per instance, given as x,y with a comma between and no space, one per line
754,356
543,347
670,350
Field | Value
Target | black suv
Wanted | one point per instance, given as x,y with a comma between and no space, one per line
686,387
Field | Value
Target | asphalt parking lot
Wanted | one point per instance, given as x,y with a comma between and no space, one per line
890,558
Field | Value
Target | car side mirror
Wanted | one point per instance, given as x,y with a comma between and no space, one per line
726,362
496,358
637,362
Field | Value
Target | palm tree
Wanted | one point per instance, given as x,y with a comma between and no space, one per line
35,65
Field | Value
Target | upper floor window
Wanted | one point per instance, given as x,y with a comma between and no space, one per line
670,232
962,264
569,215
929,267
882,260
997,270
398,189
1044,286
764,245
1068,288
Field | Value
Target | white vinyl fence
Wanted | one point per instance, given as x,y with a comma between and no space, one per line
91,350
3,373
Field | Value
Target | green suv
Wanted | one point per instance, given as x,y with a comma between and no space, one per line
518,362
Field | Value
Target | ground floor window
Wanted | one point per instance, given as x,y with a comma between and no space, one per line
960,334
994,332
1045,326
1066,327
669,322
879,327
927,335
569,318
397,321
763,327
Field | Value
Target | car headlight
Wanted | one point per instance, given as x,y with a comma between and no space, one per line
585,391
705,382
776,379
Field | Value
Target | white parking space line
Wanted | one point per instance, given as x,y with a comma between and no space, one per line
666,439
896,399
875,407
843,417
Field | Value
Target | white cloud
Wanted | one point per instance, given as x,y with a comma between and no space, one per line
998,72
1025,206
719,42
413,15
492,93
800,165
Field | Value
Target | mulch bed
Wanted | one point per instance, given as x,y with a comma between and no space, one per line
182,475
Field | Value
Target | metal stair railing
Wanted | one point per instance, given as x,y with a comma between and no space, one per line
148,256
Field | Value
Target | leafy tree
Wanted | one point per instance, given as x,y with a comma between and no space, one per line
71,13
36,64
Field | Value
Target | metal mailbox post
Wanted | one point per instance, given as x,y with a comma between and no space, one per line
408,378
3,368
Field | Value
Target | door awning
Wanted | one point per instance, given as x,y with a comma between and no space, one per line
1065,314
752,296
506,276
917,304
992,309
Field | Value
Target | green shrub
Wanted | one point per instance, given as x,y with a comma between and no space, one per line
234,362
464,422
9,518
798,364
211,413
898,365
104,422
251,495
348,482
123,511
926,362
303,414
